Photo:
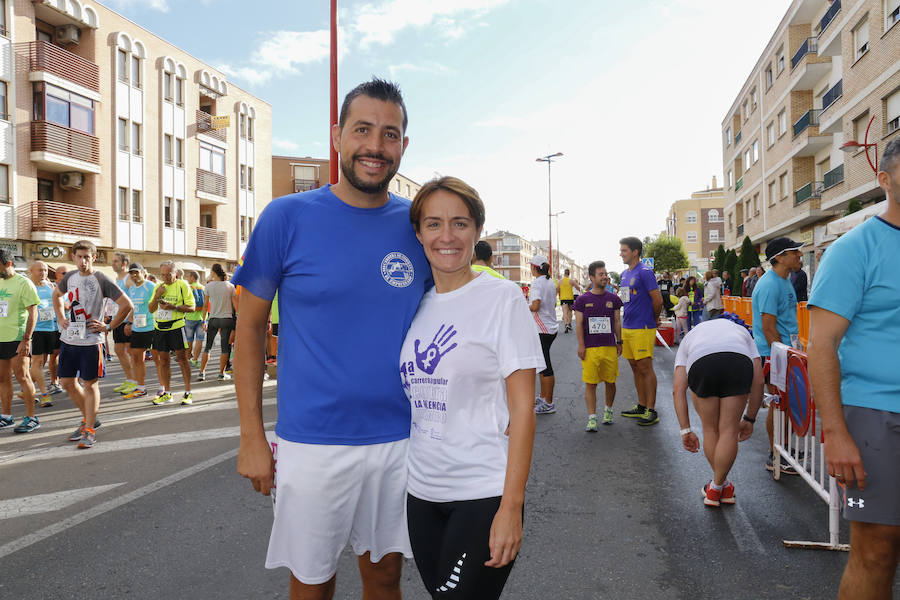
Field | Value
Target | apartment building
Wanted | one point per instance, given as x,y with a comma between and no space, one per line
829,75
699,222
112,134
562,261
292,174
512,256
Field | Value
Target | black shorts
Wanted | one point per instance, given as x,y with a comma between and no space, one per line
274,329
8,350
142,339
445,534
569,302
44,342
721,374
170,339
546,342
119,336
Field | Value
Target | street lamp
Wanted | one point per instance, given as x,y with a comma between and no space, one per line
549,160
558,243
854,146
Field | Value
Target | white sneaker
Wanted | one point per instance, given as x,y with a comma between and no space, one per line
538,401
545,408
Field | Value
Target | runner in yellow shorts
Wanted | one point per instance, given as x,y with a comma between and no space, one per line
638,343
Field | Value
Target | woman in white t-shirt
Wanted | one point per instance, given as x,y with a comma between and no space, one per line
543,305
718,360
467,366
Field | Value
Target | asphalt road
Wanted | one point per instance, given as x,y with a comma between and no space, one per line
156,509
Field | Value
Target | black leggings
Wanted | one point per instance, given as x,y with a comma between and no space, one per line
546,342
450,545
223,327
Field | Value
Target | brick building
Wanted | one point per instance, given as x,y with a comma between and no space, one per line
298,174
699,223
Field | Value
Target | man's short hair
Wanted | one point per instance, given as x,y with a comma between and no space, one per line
123,257
597,264
380,89
483,251
193,274
633,244
891,157
84,245
6,257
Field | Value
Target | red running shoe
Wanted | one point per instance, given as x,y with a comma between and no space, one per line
727,496
711,497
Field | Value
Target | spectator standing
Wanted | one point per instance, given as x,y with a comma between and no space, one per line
800,283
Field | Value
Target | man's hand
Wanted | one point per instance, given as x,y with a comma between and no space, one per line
96,326
159,292
844,461
581,352
64,324
746,431
255,462
691,442
619,349
127,330
24,349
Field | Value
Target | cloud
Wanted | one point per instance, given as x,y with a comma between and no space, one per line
426,67
160,5
285,145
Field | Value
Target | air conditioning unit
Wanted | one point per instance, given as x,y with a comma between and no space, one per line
67,34
73,180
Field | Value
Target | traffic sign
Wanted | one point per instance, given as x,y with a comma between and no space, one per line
647,260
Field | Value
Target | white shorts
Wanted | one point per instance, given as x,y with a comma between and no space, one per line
330,495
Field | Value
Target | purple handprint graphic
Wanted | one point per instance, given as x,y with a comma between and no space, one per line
428,359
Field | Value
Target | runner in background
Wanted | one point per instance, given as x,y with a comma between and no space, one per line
272,338
221,303
194,321
543,304
18,315
45,340
172,299
120,264
140,327
564,288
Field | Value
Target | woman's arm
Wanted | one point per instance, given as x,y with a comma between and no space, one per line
506,530
689,440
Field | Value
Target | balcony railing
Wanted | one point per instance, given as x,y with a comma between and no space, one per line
833,177
740,229
809,119
813,189
58,217
833,94
204,126
44,56
211,240
829,15
737,137
739,184
56,139
212,183
809,46
304,185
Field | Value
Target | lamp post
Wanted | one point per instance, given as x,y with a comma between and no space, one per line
333,155
558,243
853,146
549,160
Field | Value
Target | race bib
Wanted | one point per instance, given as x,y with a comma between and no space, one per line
4,308
78,329
598,325
45,313
140,320
625,293
163,315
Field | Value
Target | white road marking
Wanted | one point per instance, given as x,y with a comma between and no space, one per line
742,530
33,505
104,507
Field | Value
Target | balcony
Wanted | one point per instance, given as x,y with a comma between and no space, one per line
833,94
204,126
737,137
813,189
304,185
829,15
45,220
833,177
212,184
49,58
211,240
740,229
809,119
57,148
809,46
739,184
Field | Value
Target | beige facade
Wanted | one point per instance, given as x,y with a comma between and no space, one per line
512,256
561,262
830,69
699,223
292,174
126,140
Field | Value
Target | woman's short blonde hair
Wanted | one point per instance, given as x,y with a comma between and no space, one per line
455,186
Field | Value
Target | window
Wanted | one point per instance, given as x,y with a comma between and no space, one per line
731,222
713,216
136,206
3,30
167,149
249,178
691,236
4,184
861,38
690,217
242,120
136,138
206,220
167,86
782,183
782,123
244,229
179,152
212,158
407,191
179,213
243,172
728,136
250,126
891,13
745,111
397,185
772,195
45,189
770,133
63,108
754,97
123,204
714,235
250,224
860,124
167,211
135,71
755,150
123,134
747,162
780,62
122,65
755,205
768,77
179,91
4,114
892,111
730,178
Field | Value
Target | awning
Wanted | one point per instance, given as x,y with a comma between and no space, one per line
191,266
845,224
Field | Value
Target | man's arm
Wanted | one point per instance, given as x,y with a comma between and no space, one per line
255,460
579,332
617,319
826,330
24,348
125,308
656,298
770,329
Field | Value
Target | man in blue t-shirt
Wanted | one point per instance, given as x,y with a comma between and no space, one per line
774,303
643,302
854,328
343,423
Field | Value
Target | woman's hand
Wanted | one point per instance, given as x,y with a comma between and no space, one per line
691,442
506,536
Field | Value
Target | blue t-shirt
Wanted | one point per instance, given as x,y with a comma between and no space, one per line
338,341
858,281
46,317
140,296
773,295
634,291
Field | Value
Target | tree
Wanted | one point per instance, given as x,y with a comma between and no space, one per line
668,254
731,266
749,255
719,259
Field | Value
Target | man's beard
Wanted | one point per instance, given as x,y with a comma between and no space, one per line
5,274
367,188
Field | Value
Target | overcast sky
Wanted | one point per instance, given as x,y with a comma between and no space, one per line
633,93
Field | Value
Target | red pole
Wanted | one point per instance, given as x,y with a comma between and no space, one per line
333,156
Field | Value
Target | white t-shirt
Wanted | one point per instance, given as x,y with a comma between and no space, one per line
458,352
544,289
715,335
712,294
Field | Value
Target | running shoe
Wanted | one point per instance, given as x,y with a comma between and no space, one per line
27,425
223,377
187,399
545,408
97,423
651,417
727,496
711,497
76,435
270,360
136,393
636,412
786,469
54,389
5,422
591,424
201,377
607,416
121,387
537,401
162,398
88,438
45,400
